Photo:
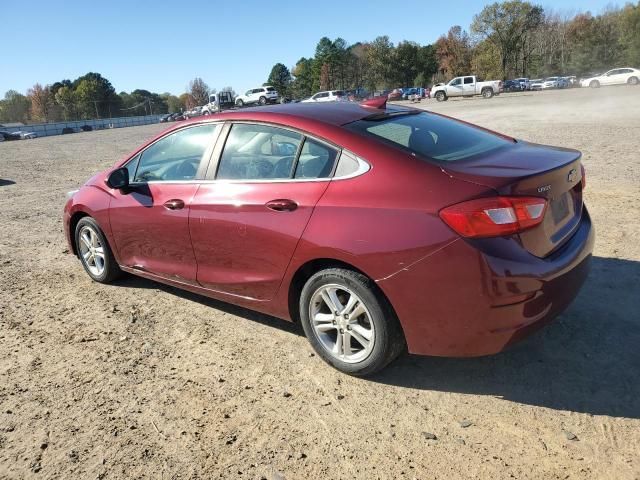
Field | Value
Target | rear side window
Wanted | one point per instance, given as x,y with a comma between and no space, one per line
316,160
430,136
271,89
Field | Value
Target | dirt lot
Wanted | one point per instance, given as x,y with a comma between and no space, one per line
137,380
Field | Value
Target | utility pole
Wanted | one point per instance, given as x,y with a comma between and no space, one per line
95,102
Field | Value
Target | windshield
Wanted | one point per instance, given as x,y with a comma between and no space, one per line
429,135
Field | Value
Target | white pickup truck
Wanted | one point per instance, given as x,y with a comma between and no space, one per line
218,102
466,86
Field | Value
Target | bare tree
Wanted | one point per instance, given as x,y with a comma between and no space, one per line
199,91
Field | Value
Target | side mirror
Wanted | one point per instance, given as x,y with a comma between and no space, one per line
119,178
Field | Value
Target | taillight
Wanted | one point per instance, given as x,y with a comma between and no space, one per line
494,216
584,176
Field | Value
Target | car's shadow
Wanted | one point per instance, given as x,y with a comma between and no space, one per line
4,182
587,361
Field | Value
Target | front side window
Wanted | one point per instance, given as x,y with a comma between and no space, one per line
258,152
176,156
430,136
455,81
316,160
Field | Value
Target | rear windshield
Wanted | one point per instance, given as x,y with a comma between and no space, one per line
430,135
271,89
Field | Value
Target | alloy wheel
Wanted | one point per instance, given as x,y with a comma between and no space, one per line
92,251
342,323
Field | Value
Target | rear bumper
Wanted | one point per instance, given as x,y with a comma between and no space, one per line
469,300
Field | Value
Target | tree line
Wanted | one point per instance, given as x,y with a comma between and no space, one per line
505,40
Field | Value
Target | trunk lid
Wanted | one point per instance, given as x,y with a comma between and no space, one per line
533,170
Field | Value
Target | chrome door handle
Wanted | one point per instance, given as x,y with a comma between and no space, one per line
175,204
282,205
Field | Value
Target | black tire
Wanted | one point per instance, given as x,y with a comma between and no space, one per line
633,81
239,103
594,84
441,96
388,340
487,92
111,269
262,101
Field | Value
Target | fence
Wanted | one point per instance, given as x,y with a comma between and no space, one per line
47,129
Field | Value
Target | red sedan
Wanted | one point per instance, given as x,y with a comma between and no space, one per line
378,228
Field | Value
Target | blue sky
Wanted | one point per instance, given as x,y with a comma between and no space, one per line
161,45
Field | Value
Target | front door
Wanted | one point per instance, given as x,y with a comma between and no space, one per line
246,224
150,219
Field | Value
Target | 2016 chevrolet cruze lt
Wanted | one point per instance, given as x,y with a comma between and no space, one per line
378,228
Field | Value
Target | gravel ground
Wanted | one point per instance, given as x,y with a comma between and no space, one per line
138,380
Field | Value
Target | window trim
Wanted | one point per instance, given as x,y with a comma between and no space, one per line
205,160
212,171
215,151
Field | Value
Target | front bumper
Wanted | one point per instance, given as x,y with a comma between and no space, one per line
467,300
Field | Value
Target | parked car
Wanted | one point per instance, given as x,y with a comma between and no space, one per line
25,135
513,86
165,118
194,112
526,84
218,102
409,92
8,136
465,87
617,76
328,96
573,81
177,116
260,95
477,241
536,84
395,94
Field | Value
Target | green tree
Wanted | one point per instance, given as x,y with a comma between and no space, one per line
405,61
88,94
280,78
506,25
15,107
380,56
303,83
66,98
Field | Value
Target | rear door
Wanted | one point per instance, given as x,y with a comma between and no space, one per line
468,86
150,220
247,220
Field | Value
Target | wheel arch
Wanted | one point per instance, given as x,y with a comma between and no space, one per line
73,223
309,268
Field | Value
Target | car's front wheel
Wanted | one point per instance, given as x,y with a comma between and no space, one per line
349,323
94,252
239,103
594,84
633,81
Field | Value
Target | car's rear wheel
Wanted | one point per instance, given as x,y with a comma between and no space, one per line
348,322
262,101
239,103
594,84
441,96
633,81
94,252
487,93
